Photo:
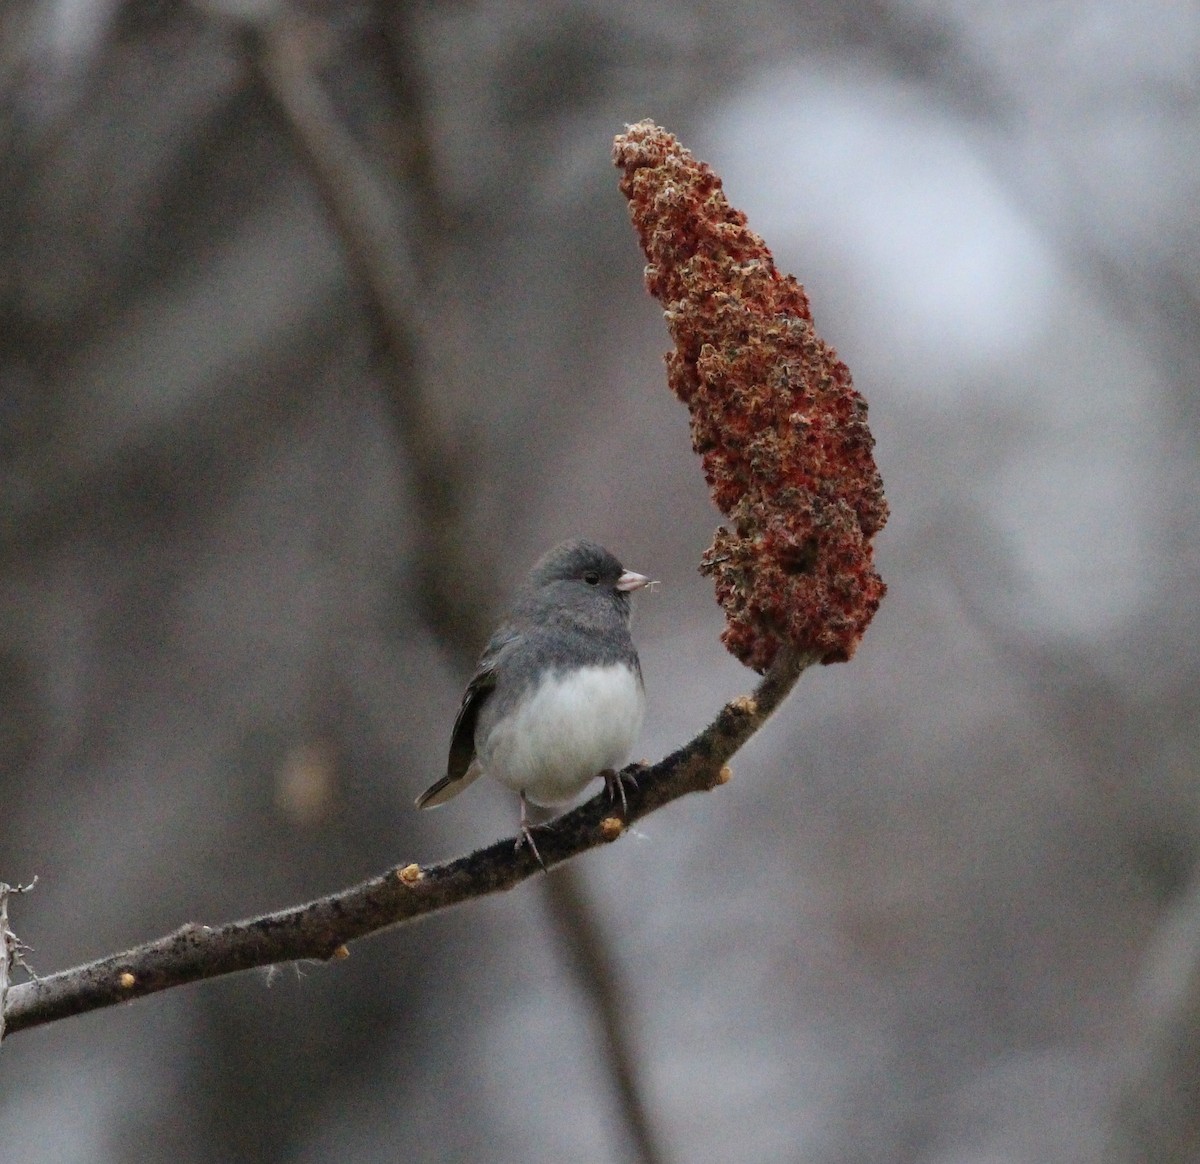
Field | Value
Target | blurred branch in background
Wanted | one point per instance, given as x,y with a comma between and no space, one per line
392,293
449,561
1156,1112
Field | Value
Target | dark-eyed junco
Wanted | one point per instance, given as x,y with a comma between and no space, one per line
557,697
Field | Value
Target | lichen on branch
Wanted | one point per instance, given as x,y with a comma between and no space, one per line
780,430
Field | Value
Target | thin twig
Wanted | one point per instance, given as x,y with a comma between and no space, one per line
12,949
321,929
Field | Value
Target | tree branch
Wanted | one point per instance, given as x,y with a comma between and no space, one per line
321,929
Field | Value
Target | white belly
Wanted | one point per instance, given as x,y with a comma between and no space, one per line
572,729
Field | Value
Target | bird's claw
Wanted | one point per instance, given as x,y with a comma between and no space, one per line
526,834
614,782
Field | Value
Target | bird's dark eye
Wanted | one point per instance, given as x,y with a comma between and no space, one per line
592,578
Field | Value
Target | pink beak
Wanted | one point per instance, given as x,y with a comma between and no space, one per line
631,581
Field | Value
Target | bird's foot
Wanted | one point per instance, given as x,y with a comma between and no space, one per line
526,837
614,782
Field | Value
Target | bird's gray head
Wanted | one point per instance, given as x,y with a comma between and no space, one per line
580,565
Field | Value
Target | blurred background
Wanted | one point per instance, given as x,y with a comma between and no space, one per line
319,323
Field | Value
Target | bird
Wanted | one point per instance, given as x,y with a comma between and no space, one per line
557,697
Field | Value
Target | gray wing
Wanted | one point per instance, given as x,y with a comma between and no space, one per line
461,767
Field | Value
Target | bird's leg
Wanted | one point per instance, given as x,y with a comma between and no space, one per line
526,836
615,783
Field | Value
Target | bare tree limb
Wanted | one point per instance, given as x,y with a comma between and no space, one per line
322,928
